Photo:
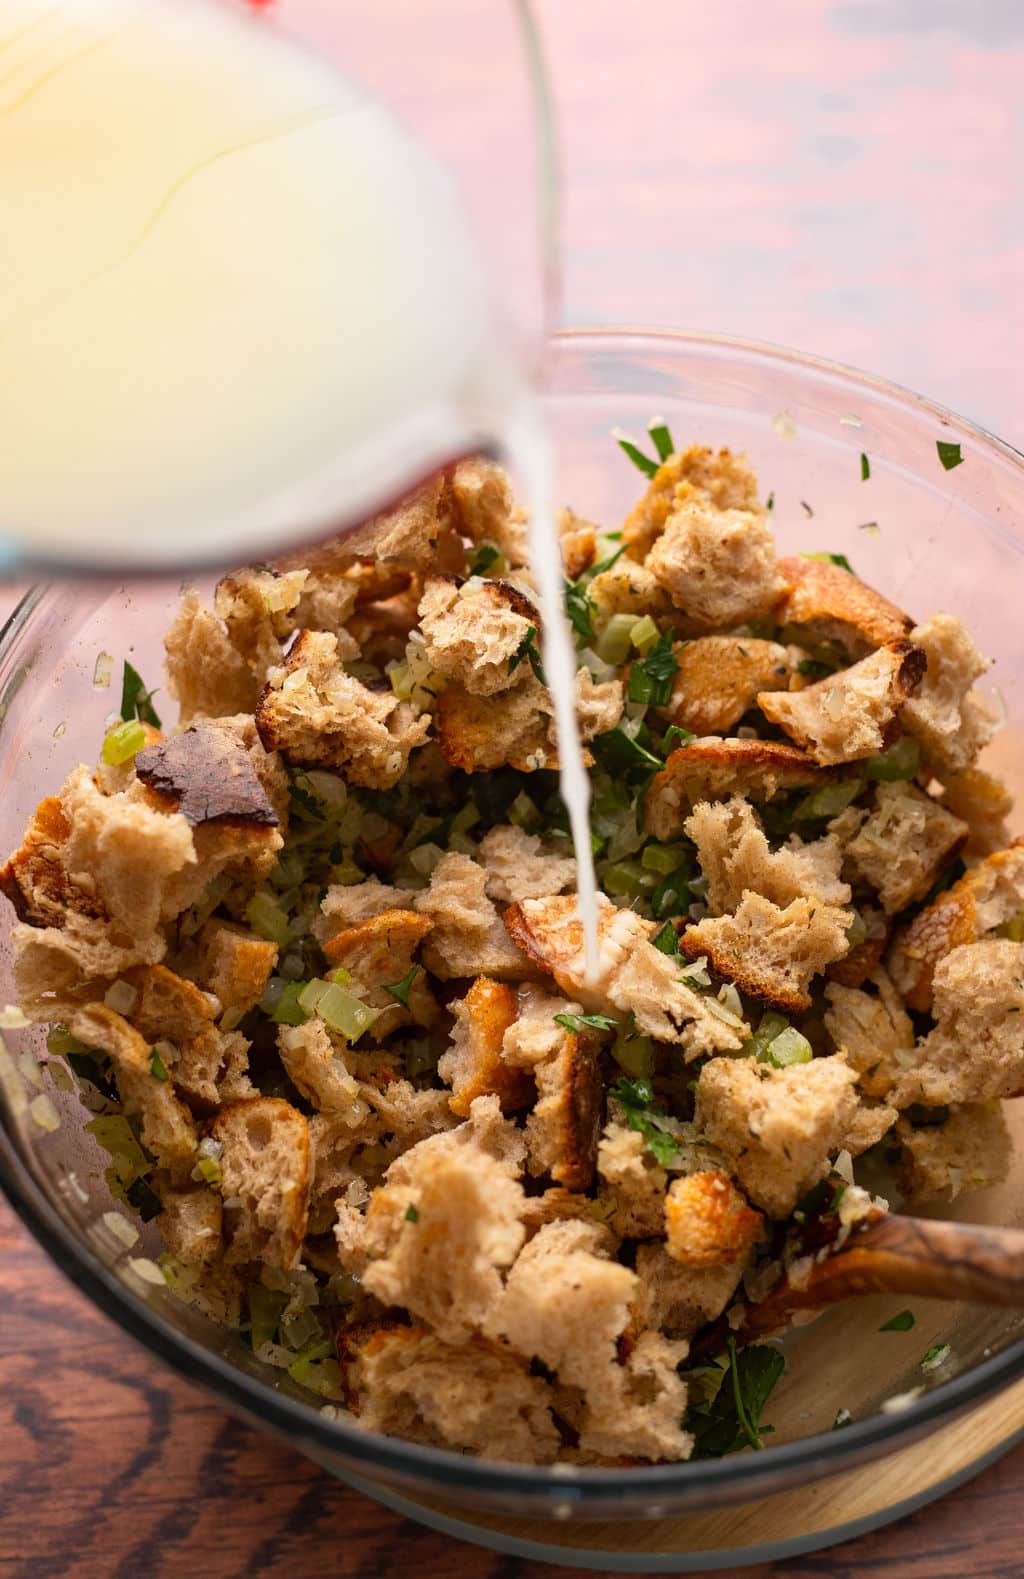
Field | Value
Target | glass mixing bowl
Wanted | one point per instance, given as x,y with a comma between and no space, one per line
929,539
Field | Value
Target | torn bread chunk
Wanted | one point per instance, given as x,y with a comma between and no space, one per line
854,969
634,977
777,1128
516,727
378,955
722,480
206,675
717,566
190,1225
265,1180
986,897
319,1072
419,532
212,1068
578,539
474,1065
563,1128
258,609
167,1006
983,802
468,938
976,1051
707,1221
477,1397
871,1123
950,720
486,511
833,605
969,1150
628,587
873,1032
848,715
321,716
632,1184
771,952
235,965
719,678
167,1128
635,1409
713,769
680,1299
903,844
521,865
734,857
473,631
535,1034
343,905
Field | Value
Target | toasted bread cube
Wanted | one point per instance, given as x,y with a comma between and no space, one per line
970,1150
418,532
475,1396
903,844
322,717
871,1123
848,715
834,605
983,802
723,480
680,1299
265,1180
712,769
769,951
628,587
190,1226
707,1221
976,1051
521,865
213,1068
872,1031
516,727
720,678
990,894
258,609
473,1065
951,721
468,938
562,1130
579,543
378,953
717,566
343,905
777,1128
486,511
235,965
206,675
634,1410
633,1185
319,1072
167,1127
473,631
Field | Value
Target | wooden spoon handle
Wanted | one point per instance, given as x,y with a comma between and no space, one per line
904,1255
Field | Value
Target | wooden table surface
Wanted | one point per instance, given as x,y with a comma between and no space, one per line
835,176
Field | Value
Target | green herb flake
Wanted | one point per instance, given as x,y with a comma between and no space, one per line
832,1209
675,737
579,1022
412,1214
865,467
937,1355
642,462
832,559
650,679
901,1323
901,760
487,557
528,649
949,454
731,1419
606,564
136,699
399,990
770,502
667,940
157,1067
661,438
646,1115
579,609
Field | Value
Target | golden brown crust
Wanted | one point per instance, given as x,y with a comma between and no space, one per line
208,776
720,677
564,1127
723,479
34,878
715,769
475,1066
836,605
708,1222
850,714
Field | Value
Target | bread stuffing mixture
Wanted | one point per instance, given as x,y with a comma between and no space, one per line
313,957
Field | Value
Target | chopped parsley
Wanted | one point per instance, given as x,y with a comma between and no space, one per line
619,753
814,668
528,649
865,467
770,501
740,1382
486,556
136,700
650,679
646,1115
676,736
412,1214
833,559
578,1022
661,438
832,1209
157,1067
399,990
667,940
901,1323
949,454
805,507
936,1356
606,564
579,609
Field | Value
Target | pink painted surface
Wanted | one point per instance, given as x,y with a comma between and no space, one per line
840,177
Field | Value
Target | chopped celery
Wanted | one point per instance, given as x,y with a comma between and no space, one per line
342,976
346,873
613,643
343,1012
266,1307
627,879
856,932
397,672
633,1053
316,1349
311,994
122,742
643,633
1013,929
287,1010
789,1047
425,857
119,1141
672,895
663,858
771,1026
209,1167
267,919
157,1067
901,760
828,801
61,1043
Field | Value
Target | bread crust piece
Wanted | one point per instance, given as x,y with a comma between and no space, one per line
770,951
632,1185
207,775
265,1169
777,1128
714,769
680,1300
563,1128
473,1065
707,1221
983,802
167,1127
833,604
723,480
970,1151
473,631
719,678
717,566
206,675
190,1225
989,894
515,728
521,865
468,938
976,1051
234,964
848,715
951,721
321,716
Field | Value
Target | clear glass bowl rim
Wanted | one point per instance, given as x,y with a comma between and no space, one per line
757,1473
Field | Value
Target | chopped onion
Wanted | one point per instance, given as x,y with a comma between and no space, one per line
147,1271
121,996
103,670
42,1112
121,1228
